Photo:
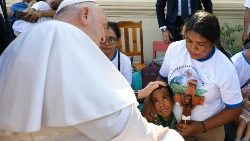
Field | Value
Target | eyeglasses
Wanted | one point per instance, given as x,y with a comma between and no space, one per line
111,40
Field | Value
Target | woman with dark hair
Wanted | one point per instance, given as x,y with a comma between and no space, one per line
217,96
109,48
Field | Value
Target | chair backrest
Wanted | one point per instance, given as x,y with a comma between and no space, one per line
130,42
159,46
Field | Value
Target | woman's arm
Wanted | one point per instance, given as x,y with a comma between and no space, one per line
225,116
49,13
246,23
33,15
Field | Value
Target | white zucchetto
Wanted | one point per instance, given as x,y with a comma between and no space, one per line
66,3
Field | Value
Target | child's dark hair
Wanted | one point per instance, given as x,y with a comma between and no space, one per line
165,87
114,26
207,25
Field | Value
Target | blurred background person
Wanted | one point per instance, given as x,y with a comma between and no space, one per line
178,11
109,48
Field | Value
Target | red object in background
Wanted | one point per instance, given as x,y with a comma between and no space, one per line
159,46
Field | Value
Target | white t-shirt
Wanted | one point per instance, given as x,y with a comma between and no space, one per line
242,66
216,77
20,26
247,3
54,77
125,65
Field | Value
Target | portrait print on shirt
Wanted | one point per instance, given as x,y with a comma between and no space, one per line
180,76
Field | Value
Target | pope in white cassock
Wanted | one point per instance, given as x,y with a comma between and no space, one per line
57,85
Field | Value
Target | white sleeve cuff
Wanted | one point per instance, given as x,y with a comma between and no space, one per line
163,27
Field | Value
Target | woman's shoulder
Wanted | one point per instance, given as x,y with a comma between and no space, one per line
221,57
177,47
178,44
223,64
124,58
237,57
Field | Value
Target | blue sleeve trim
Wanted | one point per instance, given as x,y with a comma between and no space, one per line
116,51
210,55
234,105
163,78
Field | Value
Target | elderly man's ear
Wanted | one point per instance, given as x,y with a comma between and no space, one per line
84,15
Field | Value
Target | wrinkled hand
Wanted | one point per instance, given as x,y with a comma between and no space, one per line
149,111
189,129
149,88
166,35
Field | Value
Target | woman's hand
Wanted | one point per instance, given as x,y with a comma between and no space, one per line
190,129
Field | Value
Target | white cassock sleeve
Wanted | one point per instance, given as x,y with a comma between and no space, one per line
124,125
127,125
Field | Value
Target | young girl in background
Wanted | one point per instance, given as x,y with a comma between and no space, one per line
241,62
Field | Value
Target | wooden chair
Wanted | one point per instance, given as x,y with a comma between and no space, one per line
131,43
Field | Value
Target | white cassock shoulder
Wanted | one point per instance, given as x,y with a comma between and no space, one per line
55,75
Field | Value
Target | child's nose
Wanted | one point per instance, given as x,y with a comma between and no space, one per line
161,104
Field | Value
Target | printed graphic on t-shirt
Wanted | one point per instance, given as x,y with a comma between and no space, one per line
181,75
246,90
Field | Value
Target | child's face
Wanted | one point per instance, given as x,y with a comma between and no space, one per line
163,103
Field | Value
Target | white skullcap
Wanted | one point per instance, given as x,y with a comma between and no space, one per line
66,3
